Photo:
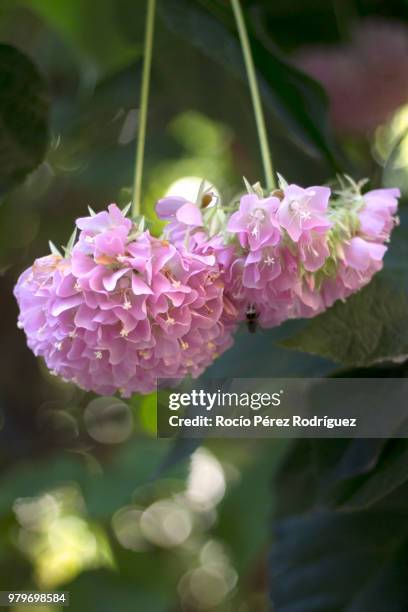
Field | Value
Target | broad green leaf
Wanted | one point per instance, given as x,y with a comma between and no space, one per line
391,474
371,326
325,471
329,562
347,557
291,96
23,117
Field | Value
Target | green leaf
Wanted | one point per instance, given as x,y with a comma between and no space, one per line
330,562
347,557
92,31
291,96
322,472
23,117
371,325
391,474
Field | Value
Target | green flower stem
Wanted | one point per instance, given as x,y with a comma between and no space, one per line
144,100
256,98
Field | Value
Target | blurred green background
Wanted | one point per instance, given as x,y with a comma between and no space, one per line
90,500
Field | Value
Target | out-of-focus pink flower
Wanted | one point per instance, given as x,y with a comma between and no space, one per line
367,78
123,311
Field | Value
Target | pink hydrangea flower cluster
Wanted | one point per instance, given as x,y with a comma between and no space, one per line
292,253
123,308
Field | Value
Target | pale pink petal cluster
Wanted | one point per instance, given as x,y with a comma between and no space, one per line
361,256
294,253
122,311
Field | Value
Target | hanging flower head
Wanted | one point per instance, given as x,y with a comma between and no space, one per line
329,246
123,309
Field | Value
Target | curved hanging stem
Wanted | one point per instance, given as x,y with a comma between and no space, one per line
144,100
255,95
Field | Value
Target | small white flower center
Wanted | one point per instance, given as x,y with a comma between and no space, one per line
301,207
269,261
257,217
